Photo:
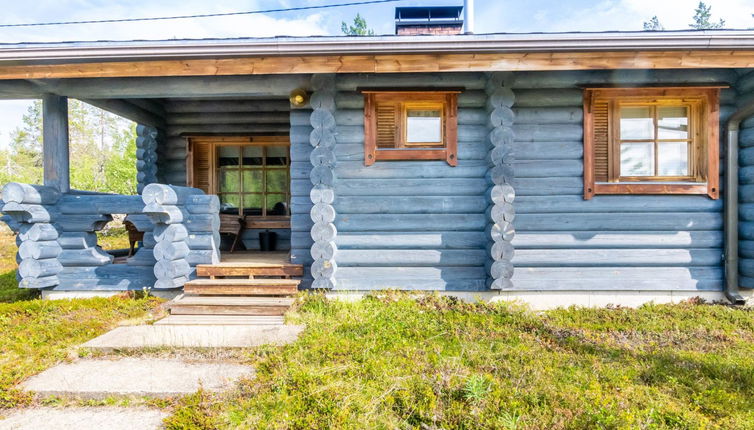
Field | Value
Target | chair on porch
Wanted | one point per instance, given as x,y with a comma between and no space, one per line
232,224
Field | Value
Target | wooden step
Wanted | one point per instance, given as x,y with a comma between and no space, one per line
221,320
241,287
225,305
249,269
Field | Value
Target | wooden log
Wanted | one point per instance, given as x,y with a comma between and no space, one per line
549,186
203,256
169,269
323,268
322,156
409,257
409,204
404,169
547,132
560,150
500,250
501,175
71,223
168,284
223,106
499,213
634,203
501,194
501,269
55,152
501,284
201,118
207,241
165,214
567,97
43,282
102,204
141,221
37,232
322,194
323,232
203,223
322,119
170,233
500,97
414,278
619,239
501,117
501,136
467,80
31,268
684,221
127,110
39,250
203,204
616,257
413,187
502,231
410,222
410,240
143,257
547,168
28,213
322,175
171,250
84,257
324,283
549,115
15,192
323,251
168,194
322,213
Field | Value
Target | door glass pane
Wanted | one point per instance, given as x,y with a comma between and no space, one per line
252,204
252,181
637,159
277,181
673,159
230,180
277,155
636,123
277,204
423,126
228,155
673,122
229,202
253,155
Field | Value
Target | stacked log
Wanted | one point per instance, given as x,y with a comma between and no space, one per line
322,194
146,156
30,207
500,212
186,232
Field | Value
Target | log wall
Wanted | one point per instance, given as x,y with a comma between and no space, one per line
745,87
564,242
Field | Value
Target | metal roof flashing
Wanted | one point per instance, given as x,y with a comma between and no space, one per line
59,52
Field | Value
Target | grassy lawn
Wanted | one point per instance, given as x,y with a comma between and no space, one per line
394,362
37,334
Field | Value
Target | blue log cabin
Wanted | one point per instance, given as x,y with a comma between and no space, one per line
586,168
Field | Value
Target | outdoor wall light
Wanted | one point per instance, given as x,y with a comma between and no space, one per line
298,97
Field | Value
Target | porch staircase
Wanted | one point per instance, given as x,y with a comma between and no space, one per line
253,293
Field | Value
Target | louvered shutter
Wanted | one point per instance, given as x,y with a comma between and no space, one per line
601,140
202,166
387,125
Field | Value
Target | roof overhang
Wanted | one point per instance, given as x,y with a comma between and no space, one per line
478,52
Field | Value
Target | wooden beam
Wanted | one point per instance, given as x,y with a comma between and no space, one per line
184,86
55,143
390,63
128,110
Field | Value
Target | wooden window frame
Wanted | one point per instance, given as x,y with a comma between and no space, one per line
447,100
704,134
215,142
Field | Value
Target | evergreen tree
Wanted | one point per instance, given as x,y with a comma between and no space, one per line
653,24
359,27
702,16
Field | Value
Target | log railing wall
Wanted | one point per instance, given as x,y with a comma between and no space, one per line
58,243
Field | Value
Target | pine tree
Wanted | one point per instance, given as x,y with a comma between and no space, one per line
653,24
702,16
359,27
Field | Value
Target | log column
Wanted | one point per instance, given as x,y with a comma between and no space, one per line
500,195
322,138
146,156
55,142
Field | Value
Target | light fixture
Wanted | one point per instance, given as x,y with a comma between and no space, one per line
298,97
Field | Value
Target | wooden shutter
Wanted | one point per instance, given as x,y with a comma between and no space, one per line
202,166
601,140
387,120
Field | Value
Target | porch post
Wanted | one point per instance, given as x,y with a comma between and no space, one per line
55,142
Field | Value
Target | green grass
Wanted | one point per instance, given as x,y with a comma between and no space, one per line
396,362
37,334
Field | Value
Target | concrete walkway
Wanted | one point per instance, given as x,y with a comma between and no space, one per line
195,336
98,379
99,418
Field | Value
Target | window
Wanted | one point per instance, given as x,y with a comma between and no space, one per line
410,125
251,175
651,141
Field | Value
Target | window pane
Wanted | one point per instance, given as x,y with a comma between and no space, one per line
637,159
252,204
423,126
229,180
277,155
277,181
673,122
252,181
228,155
636,123
673,159
252,155
277,204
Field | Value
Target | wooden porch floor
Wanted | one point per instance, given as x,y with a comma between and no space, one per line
250,258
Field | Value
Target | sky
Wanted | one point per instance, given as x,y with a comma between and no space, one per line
492,16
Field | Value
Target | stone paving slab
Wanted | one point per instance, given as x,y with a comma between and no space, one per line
195,336
89,418
98,379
